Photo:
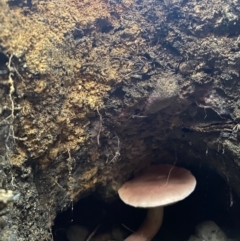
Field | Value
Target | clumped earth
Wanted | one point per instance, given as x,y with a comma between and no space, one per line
93,91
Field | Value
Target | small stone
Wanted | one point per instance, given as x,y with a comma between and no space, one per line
193,238
208,231
77,233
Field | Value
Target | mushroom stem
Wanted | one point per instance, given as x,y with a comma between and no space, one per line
150,225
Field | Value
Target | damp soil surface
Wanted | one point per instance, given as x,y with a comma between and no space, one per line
91,92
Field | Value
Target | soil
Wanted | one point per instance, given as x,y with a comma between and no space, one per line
91,92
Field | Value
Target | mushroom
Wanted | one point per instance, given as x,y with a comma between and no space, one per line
154,188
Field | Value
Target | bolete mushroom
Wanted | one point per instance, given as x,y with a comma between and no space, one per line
154,188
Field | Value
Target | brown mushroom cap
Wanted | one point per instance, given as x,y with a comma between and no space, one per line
158,186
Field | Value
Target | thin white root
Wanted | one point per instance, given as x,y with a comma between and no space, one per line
129,229
93,232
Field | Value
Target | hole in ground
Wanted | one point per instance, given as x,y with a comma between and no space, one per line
210,201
